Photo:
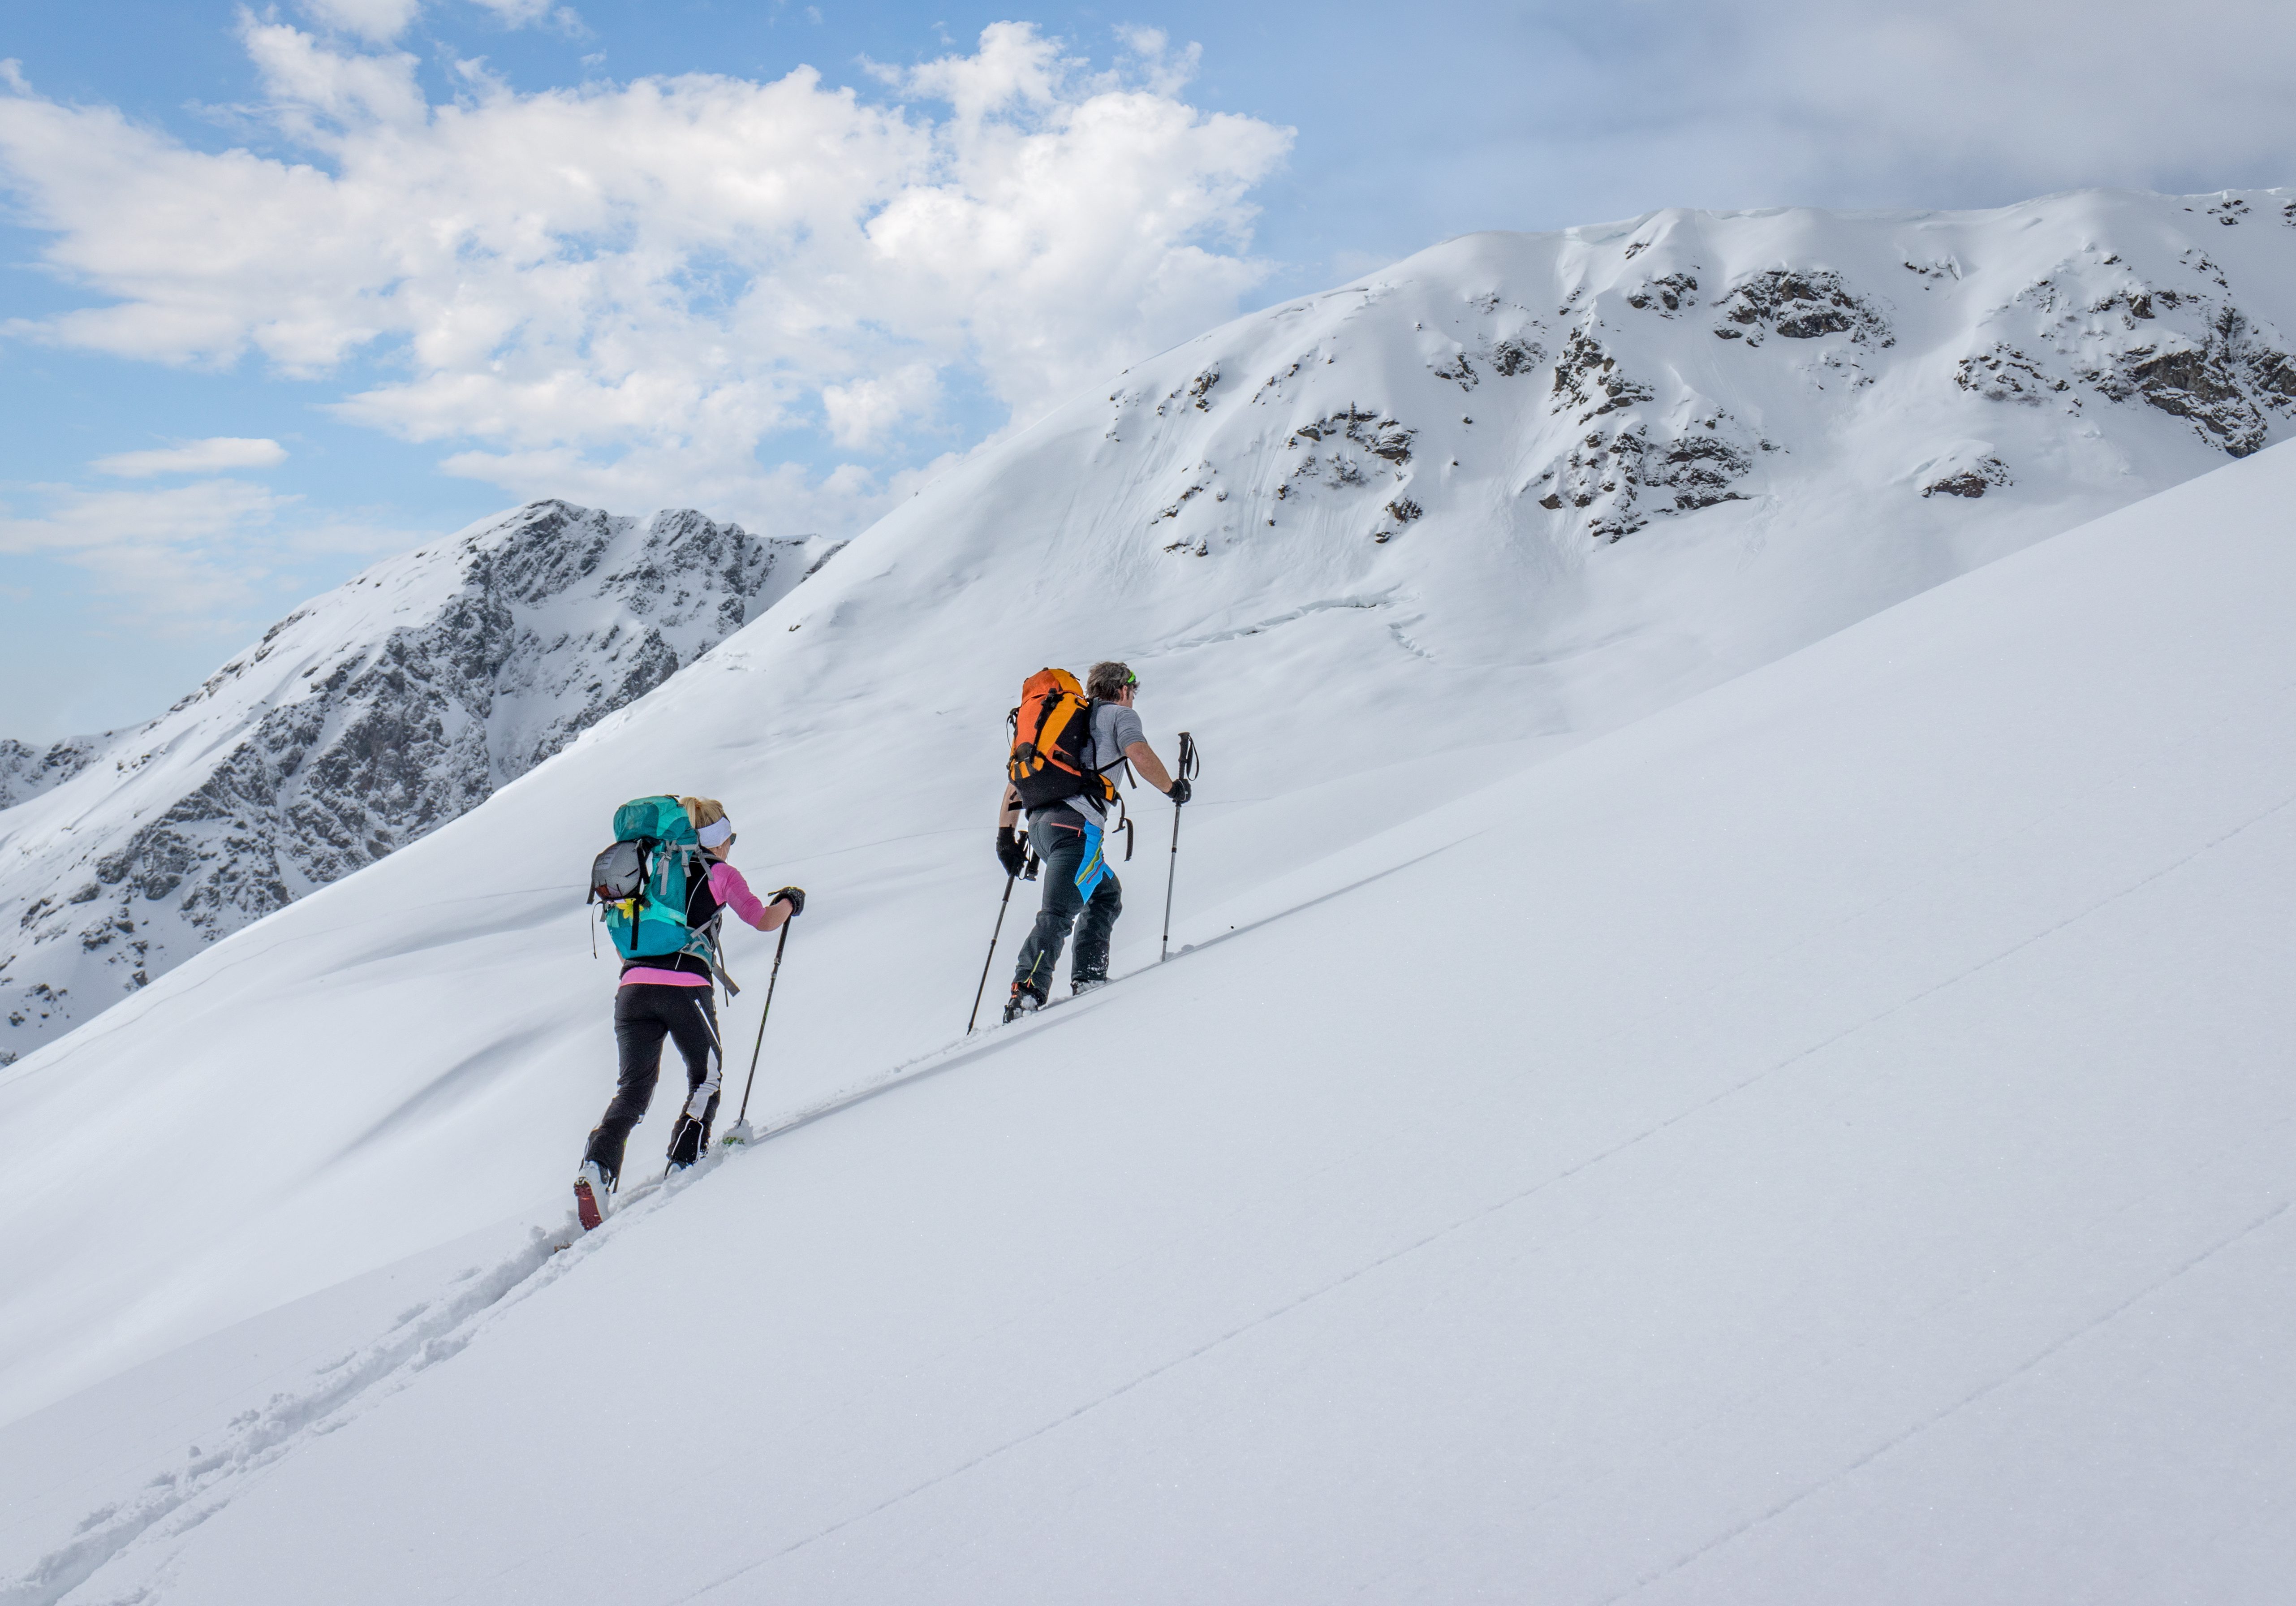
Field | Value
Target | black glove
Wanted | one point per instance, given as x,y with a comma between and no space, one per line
1181,791
1012,851
794,896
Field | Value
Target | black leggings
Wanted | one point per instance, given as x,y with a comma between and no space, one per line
644,1013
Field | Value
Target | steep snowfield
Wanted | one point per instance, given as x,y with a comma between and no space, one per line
366,719
1826,1140
431,1034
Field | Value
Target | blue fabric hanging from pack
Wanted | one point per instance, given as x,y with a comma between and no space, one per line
1094,865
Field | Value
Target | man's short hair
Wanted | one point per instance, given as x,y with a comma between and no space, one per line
1107,681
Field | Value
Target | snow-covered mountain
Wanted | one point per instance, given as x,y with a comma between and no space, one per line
1231,517
363,720
1828,1140
27,771
1576,1150
1873,402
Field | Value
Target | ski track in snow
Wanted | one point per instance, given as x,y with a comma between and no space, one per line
257,1440
1510,607
1289,616
176,1502
436,1331
1558,1179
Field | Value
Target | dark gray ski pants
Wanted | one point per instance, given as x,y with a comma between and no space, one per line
1058,834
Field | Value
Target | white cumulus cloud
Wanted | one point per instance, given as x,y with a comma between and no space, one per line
214,552
376,20
667,290
861,412
158,550
518,14
210,455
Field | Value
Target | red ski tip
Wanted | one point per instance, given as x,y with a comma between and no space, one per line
586,1205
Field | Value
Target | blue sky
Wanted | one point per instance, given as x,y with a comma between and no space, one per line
442,255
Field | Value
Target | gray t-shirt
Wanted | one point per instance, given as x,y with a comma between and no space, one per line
1114,728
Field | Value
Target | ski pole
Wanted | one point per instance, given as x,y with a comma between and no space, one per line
982,991
1187,772
741,1121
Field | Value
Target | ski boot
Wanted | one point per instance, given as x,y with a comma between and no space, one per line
592,1189
689,1142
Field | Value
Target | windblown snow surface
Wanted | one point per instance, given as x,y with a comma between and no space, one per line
1823,1138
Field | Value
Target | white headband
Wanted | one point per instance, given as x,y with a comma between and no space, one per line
716,834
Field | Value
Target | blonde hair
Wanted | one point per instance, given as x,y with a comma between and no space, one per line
702,811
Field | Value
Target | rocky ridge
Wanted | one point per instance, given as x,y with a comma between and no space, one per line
360,722
1651,369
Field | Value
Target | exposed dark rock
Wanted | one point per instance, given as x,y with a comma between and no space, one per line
2226,381
1400,512
1798,304
1699,469
1457,369
1669,295
1608,475
1331,435
1196,393
2005,374
1514,356
27,771
1589,377
1971,481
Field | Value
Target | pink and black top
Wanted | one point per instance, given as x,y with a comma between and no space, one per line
722,888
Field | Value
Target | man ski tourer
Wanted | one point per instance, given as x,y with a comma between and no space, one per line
666,884
1066,748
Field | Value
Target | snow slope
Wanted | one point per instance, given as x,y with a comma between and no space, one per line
366,718
429,1032
1826,1140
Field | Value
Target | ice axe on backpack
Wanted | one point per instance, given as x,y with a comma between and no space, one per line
1186,772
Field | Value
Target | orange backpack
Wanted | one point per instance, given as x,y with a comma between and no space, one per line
1050,729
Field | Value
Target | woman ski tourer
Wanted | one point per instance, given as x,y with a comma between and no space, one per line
669,947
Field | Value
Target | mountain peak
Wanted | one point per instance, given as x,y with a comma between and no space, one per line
361,722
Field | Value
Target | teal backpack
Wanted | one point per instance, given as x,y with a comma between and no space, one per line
640,881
